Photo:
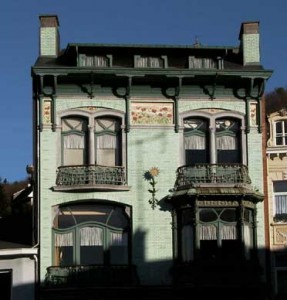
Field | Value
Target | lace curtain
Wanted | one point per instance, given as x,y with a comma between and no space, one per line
91,236
63,239
281,204
74,141
226,143
106,141
194,142
119,239
209,232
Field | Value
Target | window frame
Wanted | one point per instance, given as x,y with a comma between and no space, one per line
279,217
282,135
107,229
186,250
90,116
211,132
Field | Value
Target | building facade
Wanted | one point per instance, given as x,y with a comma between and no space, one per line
148,166
276,197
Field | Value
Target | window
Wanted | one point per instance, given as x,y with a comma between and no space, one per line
149,62
280,200
74,140
212,140
86,60
201,63
6,284
196,141
227,140
91,141
91,233
281,133
216,235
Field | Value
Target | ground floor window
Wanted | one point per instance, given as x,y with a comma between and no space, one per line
5,284
210,233
91,233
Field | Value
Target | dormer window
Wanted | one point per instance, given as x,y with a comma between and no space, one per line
201,63
281,133
86,60
150,62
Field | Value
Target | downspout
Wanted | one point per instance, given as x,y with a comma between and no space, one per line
127,98
54,97
176,100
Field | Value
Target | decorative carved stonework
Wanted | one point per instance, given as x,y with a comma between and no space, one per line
280,234
47,112
253,114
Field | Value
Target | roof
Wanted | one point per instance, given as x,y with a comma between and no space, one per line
223,191
8,249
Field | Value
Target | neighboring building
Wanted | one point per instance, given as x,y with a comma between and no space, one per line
148,168
18,267
18,254
276,200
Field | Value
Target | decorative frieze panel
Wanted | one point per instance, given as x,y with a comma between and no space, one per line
143,113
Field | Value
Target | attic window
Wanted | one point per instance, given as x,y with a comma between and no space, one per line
201,63
150,61
86,60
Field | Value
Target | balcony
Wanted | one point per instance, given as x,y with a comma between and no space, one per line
90,177
214,181
91,276
212,174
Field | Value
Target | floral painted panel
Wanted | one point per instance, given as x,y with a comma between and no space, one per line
143,113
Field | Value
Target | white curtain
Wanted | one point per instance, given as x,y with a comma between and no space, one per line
228,232
63,239
106,141
281,204
118,239
208,232
247,239
91,236
226,143
74,141
194,142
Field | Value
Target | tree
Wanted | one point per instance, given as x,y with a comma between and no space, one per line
276,100
6,193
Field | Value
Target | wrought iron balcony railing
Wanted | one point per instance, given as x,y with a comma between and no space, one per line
211,173
91,275
90,175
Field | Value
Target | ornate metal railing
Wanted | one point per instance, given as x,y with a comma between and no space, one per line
92,275
211,173
90,175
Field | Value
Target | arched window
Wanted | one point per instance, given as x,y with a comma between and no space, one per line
107,141
196,142
74,140
89,140
212,140
91,233
228,140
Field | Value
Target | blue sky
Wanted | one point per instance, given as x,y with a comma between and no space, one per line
181,22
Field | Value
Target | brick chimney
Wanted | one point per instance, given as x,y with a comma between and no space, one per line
49,35
249,43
